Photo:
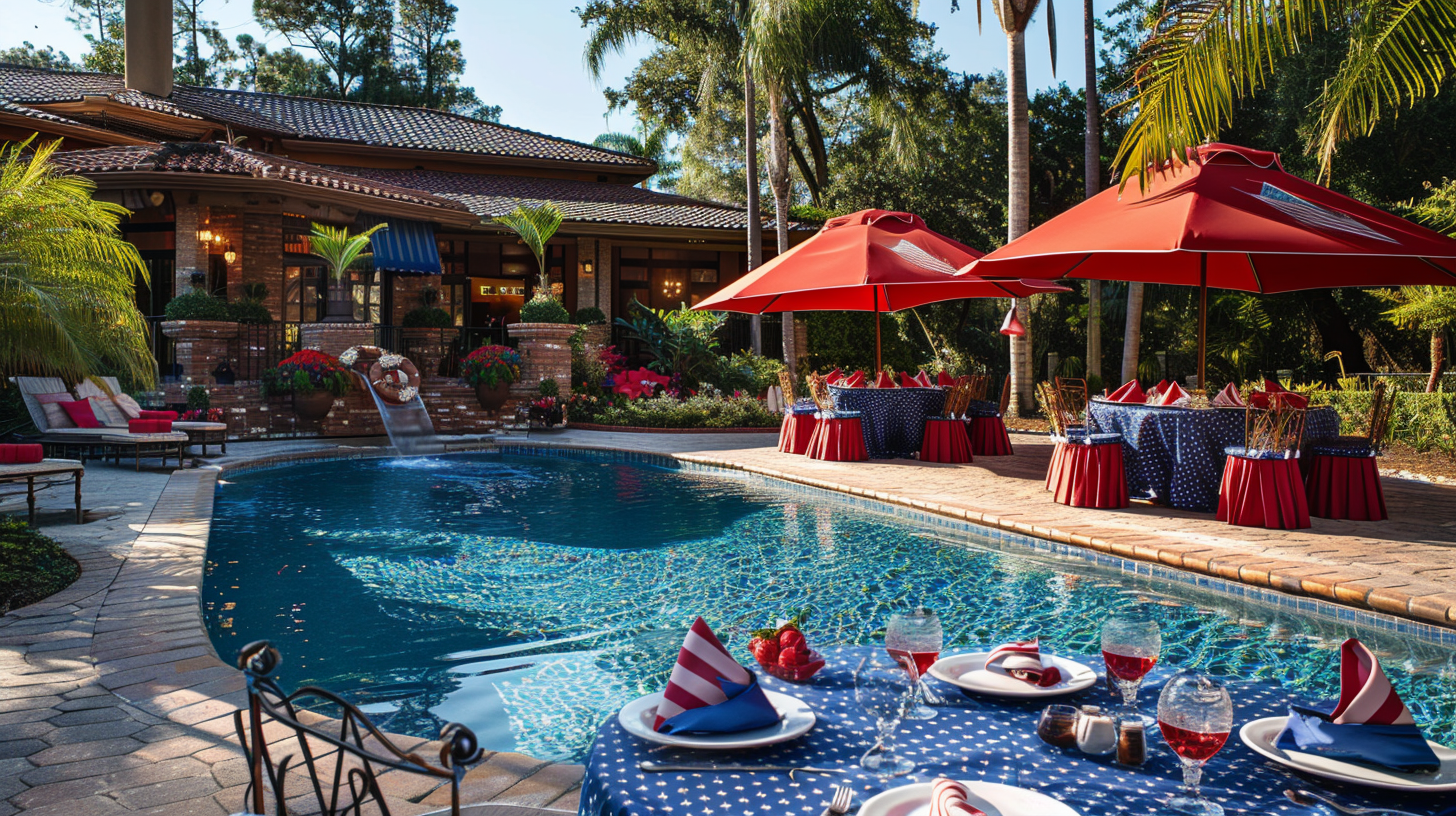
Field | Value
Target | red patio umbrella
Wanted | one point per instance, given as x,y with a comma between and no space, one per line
869,261
1230,219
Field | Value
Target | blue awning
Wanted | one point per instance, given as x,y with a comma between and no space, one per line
405,246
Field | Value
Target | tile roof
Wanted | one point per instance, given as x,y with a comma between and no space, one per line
582,201
220,159
322,119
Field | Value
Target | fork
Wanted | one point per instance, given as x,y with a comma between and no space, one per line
841,801
1304,797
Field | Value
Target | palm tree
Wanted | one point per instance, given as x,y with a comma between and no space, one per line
649,142
340,250
535,226
1204,55
1015,16
1431,309
67,279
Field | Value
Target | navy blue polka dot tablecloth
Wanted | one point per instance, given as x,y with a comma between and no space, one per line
893,418
1175,455
983,738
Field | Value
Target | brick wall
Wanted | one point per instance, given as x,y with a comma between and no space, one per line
545,355
261,256
333,338
191,255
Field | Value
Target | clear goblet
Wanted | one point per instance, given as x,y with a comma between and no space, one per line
1131,644
1195,715
915,639
883,688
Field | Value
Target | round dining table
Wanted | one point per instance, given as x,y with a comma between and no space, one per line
1175,455
970,738
893,418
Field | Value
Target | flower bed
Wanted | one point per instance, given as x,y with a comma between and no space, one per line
669,412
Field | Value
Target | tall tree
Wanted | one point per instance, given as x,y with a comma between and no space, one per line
424,40
1205,55
338,31
101,23
202,53
649,142
1092,170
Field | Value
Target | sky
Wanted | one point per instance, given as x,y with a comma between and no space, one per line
525,55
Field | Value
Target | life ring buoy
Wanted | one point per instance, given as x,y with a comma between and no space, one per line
361,358
395,379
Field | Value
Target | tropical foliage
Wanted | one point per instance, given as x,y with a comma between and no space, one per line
535,225
340,249
491,366
67,278
305,372
665,411
681,342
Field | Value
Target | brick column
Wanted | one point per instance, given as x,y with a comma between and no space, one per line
604,279
333,338
586,287
261,256
545,355
191,254
201,345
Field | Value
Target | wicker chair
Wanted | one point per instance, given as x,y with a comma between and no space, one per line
799,420
1086,469
1261,485
838,435
1343,481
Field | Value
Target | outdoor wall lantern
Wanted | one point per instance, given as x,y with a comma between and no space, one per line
588,269
230,255
204,235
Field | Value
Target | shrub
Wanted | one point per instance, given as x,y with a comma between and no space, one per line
544,309
427,317
590,316
747,372
548,388
32,566
1426,422
249,311
198,398
196,305
491,366
305,372
669,412
681,341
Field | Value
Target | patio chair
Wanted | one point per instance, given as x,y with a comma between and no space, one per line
1343,481
1261,484
339,760
84,442
1086,469
799,422
838,435
945,439
26,463
984,423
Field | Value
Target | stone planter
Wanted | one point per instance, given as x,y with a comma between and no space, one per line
334,338
545,355
492,398
200,345
314,406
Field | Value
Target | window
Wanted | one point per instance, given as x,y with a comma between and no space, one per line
296,230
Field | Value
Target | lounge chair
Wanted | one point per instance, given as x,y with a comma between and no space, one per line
83,441
199,433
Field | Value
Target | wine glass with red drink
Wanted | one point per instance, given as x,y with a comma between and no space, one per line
1131,643
915,640
1195,715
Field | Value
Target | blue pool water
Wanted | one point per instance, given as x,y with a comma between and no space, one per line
530,597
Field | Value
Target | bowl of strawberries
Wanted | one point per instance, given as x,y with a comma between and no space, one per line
784,653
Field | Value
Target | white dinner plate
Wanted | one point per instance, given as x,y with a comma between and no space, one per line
993,798
968,671
796,718
1259,735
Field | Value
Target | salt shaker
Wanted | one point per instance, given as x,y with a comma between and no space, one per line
1096,732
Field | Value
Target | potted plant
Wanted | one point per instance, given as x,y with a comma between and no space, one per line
535,226
314,379
340,250
546,409
491,369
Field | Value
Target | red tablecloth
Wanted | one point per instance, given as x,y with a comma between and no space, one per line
1263,493
945,441
1345,487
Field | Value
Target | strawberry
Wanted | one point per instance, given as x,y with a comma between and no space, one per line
790,637
792,657
764,651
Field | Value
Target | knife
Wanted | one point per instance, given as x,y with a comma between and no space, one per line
647,766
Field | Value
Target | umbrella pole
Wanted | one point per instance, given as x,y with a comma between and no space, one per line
877,331
1202,318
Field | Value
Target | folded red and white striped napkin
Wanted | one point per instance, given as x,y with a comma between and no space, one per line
1229,397
1129,392
1366,695
1172,394
948,798
694,680
944,380
1025,661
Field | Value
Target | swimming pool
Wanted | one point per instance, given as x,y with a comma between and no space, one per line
529,597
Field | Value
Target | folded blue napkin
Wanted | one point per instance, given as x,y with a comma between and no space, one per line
1399,747
746,708
1369,723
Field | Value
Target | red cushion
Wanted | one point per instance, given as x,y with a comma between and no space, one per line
148,426
172,415
21,454
80,413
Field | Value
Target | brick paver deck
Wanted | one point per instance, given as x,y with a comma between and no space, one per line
113,701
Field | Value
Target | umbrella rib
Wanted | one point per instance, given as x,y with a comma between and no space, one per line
1253,267
1077,264
1438,266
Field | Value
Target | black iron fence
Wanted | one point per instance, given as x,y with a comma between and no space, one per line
441,348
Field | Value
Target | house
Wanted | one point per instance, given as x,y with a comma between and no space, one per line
224,185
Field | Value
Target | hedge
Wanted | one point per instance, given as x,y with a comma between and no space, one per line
32,566
693,412
1426,422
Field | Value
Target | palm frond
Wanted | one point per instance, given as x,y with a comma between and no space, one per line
67,279
622,143
1201,57
339,248
1399,52
535,226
